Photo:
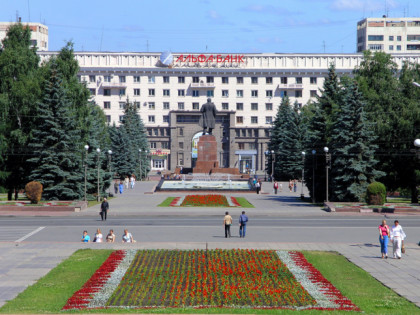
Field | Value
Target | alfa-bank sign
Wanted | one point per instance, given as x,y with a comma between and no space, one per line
211,58
166,59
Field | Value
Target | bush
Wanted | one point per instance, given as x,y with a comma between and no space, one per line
34,191
376,194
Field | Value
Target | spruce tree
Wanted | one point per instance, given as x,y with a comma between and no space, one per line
56,162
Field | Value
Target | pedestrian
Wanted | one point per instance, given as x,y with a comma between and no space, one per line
243,219
110,238
85,237
98,236
116,184
397,237
127,237
132,181
295,185
104,209
290,185
384,234
121,187
257,187
126,181
275,187
281,187
227,222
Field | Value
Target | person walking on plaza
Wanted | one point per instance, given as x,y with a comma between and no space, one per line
121,187
275,187
104,209
290,185
126,181
227,222
295,185
397,237
257,187
383,239
116,184
243,219
132,181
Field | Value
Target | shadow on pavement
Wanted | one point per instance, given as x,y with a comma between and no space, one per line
294,201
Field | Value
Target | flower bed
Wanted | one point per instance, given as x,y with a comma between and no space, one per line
217,278
205,201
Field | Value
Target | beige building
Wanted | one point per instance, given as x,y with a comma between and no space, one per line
247,90
391,35
39,34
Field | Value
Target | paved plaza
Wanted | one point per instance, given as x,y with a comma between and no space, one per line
28,253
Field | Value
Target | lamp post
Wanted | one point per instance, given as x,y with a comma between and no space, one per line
145,151
327,166
98,196
85,160
273,156
109,165
303,175
313,175
417,145
140,171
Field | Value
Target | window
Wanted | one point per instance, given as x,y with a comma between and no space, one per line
269,93
399,39
165,105
107,78
149,131
239,93
249,133
298,94
210,79
152,145
180,158
122,78
252,146
181,79
243,132
151,92
312,80
151,118
225,106
122,92
107,92
156,132
268,80
298,80
195,93
239,120
240,80
375,37
151,79
254,80
165,79
181,132
181,145
237,133
391,38
225,93
92,91
181,105
166,92
121,118
181,92
210,93
413,38
165,118
108,119
239,106
241,146
225,80
137,92
92,78
283,93
165,145
196,79
254,106
122,105
136,79
254,120
391,47
137,104
283,80
268,120
413,47
152,105
313,93
107,105
196,106
268,106
254,93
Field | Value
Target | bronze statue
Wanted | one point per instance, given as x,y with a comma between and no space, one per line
208,117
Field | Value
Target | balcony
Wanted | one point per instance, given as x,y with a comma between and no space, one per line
113,85
202,85
291,86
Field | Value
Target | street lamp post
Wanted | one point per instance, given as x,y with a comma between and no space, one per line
327,166
273,156
109,165
140,171
146,151
99,152
303,175
85,160
417,145
313,175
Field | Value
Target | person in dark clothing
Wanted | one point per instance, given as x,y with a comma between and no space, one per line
243,219
104,209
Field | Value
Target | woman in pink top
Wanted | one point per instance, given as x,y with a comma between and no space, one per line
384,238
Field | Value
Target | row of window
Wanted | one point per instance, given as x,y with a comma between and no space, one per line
181,79
392,38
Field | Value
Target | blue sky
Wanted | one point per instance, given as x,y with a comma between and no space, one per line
230,26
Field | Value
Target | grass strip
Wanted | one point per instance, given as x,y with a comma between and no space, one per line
244,203
166,202
53,290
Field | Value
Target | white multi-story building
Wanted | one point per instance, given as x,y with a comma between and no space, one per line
247,90
39,34
391,35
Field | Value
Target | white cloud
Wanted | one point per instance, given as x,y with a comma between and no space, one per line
216,18
362,5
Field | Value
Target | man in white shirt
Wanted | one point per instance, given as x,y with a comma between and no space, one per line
397,237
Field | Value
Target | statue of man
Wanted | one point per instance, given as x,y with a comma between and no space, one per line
208,117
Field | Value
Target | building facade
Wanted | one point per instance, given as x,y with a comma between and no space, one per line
247,90
39,34
391,35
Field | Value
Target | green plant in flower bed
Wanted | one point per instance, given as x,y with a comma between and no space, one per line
209,278
205,201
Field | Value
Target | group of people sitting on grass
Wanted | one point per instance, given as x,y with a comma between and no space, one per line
110,238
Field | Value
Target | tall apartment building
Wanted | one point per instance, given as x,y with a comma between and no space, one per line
391,35
39,34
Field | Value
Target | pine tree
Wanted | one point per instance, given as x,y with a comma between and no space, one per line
56,162
120,144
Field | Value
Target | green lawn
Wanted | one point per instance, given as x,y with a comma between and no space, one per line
51,292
